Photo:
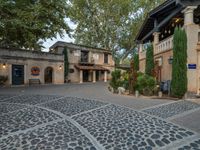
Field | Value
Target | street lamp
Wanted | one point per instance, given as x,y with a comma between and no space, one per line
170,60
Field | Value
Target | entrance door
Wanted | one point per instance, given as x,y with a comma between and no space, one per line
85,75
17,74
48,75
97,75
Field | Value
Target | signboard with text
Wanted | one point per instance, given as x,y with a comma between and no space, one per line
192,66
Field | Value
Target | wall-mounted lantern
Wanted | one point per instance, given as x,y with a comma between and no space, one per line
4,65
60,67
170,60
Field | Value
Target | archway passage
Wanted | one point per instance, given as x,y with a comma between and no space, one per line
48,75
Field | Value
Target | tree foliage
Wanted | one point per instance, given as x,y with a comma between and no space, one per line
179,65
149,60
25,22
110,24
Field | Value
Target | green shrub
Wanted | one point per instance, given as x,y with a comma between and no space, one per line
125,80
116,79
3,79
146,84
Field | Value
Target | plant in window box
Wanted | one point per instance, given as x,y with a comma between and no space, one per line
3,79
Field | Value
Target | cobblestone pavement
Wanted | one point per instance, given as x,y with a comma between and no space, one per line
172,109
194,145
31,99
35,122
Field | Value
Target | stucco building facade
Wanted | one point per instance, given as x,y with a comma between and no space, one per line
24,66
86,64
158,28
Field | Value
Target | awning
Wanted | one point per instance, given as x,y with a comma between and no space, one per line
93,67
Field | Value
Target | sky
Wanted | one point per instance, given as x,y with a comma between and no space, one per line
66,38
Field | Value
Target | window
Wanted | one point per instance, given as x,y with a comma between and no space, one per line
105,58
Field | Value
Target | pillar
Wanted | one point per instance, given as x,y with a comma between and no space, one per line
192,39
189,15
94,76
155,41
140,48
81,76
105,76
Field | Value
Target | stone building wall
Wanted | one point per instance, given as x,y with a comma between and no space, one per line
29,59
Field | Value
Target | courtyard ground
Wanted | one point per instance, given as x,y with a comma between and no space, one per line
87,116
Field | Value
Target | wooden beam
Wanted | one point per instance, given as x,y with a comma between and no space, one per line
172,14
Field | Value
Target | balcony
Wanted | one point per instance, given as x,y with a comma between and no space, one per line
86,61
164,45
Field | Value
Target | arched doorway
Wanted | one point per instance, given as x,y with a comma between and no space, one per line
48,75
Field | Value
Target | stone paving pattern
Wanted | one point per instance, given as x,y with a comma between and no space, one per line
72,106
24,119
113,127
6,107
60,135
172,109
121,128
3,97
195,145
32,99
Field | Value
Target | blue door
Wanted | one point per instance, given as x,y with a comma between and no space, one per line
17,74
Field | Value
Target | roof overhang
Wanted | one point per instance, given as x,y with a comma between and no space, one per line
160,16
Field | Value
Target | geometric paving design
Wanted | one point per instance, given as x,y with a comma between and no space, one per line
39,122
24,119
5,107
3,97
115,127
194,145
60,135
32,99
72,106
169,110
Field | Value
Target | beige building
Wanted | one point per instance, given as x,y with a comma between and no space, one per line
158,28
24,67
86,64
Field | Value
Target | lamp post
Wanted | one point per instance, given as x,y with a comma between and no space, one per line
170,60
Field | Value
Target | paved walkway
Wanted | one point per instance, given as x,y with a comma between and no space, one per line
43,119
96,91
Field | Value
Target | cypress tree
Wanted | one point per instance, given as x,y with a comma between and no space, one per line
66,63
179,65
149,60
136,61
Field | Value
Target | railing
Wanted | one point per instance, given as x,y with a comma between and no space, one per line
86,61
164,45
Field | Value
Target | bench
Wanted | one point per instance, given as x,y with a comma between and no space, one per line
34,81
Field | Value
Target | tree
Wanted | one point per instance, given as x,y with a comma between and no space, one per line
149,60
24,23
179,65
136,61
66,63
110,24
